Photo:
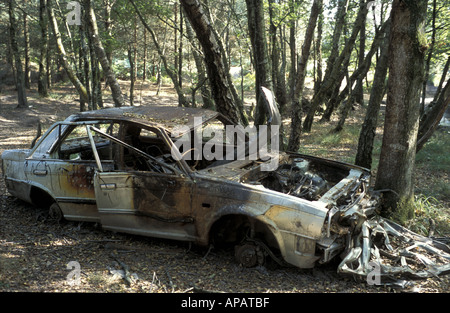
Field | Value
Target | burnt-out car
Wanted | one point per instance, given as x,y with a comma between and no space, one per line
135,170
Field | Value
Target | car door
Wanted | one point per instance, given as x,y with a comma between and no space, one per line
66,168
153,201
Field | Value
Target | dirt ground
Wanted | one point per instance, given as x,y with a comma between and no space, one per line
37,255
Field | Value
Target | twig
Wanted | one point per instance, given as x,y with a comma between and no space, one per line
126,277
170,279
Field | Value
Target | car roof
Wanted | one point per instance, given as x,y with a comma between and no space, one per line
166,117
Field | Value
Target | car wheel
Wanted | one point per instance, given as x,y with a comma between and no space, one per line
249,254
55,213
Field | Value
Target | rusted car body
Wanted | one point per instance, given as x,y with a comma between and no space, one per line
117,167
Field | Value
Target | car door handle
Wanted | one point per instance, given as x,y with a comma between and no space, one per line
40,172
108,186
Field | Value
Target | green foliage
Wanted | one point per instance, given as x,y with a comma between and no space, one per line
434,159
429,211
435,156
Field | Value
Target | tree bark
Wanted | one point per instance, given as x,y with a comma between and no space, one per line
20,83
359,89
334,74
318,52
442,80
406,66
108,26
63,56
201,73
26,37
358,76
368,130
428,60
256,26
278,70
102,57
182,101
229,80
213,58
296,106
43,46
432,117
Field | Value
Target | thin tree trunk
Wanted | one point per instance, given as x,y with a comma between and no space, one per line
278,70
62,53
406,67
84,63
20,83
229,80
335,73
144,66
201,73
293,48
43,46
443,77
132,78
432,117
428,60
358,76
108,26
359,88
255,18
318,52
367,135
182,101
296,107
100,51
96,88
213,58
26,36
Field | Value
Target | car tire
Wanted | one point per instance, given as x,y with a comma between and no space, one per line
55,214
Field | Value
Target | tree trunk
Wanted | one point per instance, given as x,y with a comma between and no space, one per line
432,117
96,87
296,106
256,26
108,24
62,53
213,58
144,65
201,73
318,52
20,83
406,66
359,88
335,73
102,57
278,70
229,80
132,74
367,134
43,46
292,47
26,36
428,60
442,81
358,76
182,101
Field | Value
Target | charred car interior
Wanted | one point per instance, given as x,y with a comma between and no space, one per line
132,170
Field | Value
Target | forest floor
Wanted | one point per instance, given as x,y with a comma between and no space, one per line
35,253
